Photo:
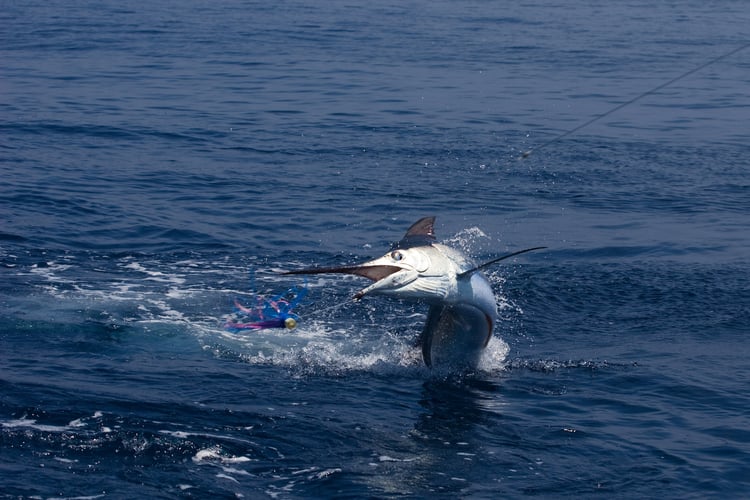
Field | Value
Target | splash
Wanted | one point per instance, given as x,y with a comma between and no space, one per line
468,239
187,298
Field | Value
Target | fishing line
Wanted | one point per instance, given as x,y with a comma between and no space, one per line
327,309
528,152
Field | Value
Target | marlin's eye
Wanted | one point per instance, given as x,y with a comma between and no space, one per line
397,255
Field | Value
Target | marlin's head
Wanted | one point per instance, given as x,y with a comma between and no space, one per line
415,268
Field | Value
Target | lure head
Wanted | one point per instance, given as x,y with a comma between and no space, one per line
290,323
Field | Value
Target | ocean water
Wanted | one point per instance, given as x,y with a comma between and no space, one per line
160,160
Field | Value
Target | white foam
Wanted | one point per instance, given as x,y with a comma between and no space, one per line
304,471
31,424
234,470
76,423
178,434
157,276
314,348
333,353
135,266
467,236
327,472
187,435
236,460
214,455
230,478
90,497
468,239
387,458
50,270
494,356
176,293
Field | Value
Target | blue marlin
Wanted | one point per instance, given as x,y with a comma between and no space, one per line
462,306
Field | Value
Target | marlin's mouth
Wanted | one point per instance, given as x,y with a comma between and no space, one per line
375,272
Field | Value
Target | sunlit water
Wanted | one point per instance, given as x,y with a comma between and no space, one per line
160,161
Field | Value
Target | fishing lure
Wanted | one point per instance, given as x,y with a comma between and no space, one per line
274,312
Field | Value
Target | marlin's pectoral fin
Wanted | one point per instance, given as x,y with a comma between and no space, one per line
425,338
455,334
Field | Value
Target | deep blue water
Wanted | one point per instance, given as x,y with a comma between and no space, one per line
160,160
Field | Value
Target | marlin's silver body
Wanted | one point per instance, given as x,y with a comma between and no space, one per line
462,305
462,308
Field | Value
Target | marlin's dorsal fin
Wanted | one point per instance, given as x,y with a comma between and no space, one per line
420,233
